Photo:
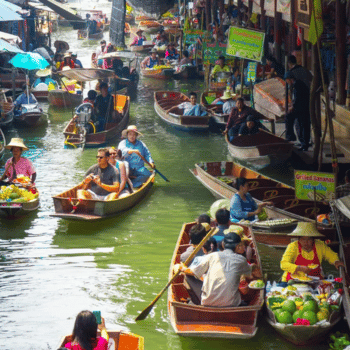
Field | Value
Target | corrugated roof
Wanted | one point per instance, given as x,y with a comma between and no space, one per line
8,12
7,47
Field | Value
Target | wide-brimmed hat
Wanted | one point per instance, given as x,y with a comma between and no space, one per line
67,54
239,230
306,229
43,72
57,42
227,95
130,128
17,142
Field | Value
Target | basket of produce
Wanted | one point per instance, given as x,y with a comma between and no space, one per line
276,224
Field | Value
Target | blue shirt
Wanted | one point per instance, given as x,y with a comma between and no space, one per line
47,81
22,99
239,208
135,162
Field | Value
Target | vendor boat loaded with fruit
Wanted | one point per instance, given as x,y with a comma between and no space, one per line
305,307
18,195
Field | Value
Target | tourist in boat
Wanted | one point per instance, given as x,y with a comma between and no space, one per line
84,335
186,58
171,52
101,180
306,251
220,67
67,61
100,51
115,159
25,98
103,108
277,70
91,97
151,61
250,127
132,150
300,111
77,63
44,77
139,38
238,117
203,218
222,217
242,205
191,108
227,101
91,24
18,165
221,272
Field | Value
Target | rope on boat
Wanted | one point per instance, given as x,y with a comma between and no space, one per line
69,143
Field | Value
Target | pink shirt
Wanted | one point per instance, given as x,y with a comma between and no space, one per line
23,167
101,344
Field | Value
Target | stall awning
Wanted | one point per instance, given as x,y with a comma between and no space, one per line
64,11
8,12
87,74
7,47
343,205
12,39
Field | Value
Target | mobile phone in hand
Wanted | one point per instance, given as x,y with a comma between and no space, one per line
98,316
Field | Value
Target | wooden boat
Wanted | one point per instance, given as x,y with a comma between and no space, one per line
261,149
84,34
30,115
141,48
6,114
164,100
64,99
118,340
219,177
304,335
13,209
41,95
127,30
219,118
270,97
98,139
169,23
2,144
149,27
201,321
143,18
89,209
160,73
186,72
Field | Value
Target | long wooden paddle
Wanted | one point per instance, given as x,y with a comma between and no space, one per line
156,170
148,309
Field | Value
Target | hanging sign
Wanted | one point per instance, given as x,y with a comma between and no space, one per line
192,35
311,185
251,72
245,43
212,51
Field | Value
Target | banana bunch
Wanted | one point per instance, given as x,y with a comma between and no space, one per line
13,192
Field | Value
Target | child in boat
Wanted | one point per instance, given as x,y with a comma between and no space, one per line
85,333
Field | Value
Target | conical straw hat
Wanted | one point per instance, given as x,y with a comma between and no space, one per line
306,229
17,142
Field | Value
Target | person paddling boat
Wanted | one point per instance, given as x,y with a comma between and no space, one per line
307,253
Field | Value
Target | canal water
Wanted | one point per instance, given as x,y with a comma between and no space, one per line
51,269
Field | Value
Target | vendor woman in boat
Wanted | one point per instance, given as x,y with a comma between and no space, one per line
132,150
26,97
139,38
67,61
221,66
171,52
18,165
307,251
44,76
243,206
151,61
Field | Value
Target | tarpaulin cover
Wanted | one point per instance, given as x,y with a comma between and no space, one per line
8,12
87,74
7,47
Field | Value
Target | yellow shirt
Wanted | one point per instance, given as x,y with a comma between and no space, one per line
292,251
218,69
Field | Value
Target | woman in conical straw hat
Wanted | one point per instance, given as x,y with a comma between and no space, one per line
306,254
18,165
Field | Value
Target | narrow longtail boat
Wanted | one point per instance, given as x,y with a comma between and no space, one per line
261,149
164,100
202,321
186,72
67,206
163,73
97,139
219,179
84,34
118,340
64,99
145,48
40,95
31,115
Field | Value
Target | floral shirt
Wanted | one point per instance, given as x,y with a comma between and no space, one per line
23,167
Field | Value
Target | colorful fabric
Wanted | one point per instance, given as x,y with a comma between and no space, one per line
292,251
218,69
23,167
138,41
99,344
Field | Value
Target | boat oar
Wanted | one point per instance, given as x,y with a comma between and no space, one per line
148,309
156,170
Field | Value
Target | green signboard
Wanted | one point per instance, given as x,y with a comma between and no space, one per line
245,43
192,35
212,51
310,185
